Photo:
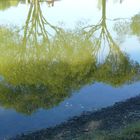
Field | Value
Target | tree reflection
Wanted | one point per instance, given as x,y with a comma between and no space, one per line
116,68
104,38
37,29
36,77
42,77
135,25
4,4
49,2
130,26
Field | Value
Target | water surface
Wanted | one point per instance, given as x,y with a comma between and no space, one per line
60,59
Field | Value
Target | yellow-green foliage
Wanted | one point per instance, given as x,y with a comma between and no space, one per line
135,26
43,75
58,69
4,4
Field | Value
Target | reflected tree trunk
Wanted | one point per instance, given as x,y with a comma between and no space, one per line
37,28
104,39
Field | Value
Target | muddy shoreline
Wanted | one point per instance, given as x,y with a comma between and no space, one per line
107,119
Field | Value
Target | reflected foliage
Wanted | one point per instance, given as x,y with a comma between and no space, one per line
116,67
122,28
4,4
67,66
135,25
37,30
125,27
40,68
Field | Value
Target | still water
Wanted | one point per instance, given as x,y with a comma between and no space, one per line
60,59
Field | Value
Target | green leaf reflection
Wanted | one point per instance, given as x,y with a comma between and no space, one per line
42,72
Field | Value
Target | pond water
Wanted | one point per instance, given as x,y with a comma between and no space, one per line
59,59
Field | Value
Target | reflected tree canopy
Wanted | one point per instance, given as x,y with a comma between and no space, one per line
4,4
116,67
135,25
130,26
43,67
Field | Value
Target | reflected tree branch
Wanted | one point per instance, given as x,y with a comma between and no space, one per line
37,29
104,38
